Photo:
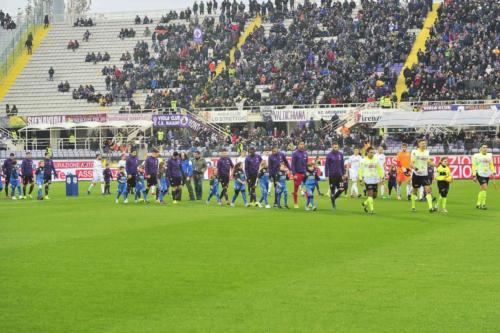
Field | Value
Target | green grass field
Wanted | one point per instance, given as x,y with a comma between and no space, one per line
87,265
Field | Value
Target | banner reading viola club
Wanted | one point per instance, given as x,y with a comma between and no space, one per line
460,165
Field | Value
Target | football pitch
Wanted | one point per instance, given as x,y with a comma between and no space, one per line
88,265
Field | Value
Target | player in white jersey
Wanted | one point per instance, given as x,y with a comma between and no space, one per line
380,157
241,158
353,167
97,174
123,162
483,170
419,163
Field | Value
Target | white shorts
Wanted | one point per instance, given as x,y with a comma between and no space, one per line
98,178
353,176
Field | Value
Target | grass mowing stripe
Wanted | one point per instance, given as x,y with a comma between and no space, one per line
115,268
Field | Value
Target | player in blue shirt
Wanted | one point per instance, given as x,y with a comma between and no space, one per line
310,181
14,180
240,181
39,179
281,190
263,177
214,187
140,186
162,176
121,178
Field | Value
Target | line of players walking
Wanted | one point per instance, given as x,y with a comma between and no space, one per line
28,175
416,168
155,178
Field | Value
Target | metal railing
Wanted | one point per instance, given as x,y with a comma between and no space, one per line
255,109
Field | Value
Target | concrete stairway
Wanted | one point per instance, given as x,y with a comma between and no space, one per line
32,92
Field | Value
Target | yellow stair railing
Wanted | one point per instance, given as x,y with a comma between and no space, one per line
419,44
21,61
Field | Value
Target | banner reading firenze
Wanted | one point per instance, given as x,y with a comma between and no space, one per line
460,165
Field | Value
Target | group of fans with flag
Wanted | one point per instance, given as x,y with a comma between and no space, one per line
156,177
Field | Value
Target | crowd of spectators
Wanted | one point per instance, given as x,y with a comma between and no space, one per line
126,33
462,56
174,67
88,93
83,22
318,139
73,45
6,21
330,52
325,53
324,56
92,57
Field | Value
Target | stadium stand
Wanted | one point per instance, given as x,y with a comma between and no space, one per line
322,53
381,32
32,92
444,70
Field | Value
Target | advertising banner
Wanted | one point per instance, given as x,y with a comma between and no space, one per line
130,117
327,114
81,118
59,119
225,117
285,115
460,165
371,116
177,120
469,107
50,120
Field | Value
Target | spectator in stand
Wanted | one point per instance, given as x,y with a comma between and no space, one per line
73,45
86,35
51,74
29,45
46,22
